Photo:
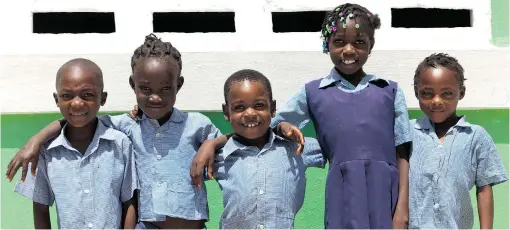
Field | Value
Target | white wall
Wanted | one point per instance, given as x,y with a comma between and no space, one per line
29,61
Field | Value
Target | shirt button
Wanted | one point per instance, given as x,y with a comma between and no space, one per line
261,192
159,134
90,225
436,205
261,226
435,176
86,191
158,157
440,146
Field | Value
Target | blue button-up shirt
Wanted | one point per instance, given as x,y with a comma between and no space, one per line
441,174
88,188
163,159
264,188
295,110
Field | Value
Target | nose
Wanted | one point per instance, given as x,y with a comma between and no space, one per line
348,49
77,102
249,112
437,102
155,98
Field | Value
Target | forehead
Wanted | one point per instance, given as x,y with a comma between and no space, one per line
160,68
438,76
363,29
247,88
76,76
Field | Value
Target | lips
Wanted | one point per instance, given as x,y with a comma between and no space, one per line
349,61
251,124
78,114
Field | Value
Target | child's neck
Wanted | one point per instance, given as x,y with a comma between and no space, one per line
164,119
81,137
259,142
354,78
443,127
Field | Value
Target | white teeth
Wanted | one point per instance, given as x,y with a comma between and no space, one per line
78,114
250,125
348,62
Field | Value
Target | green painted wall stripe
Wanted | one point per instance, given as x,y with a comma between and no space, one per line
500,23
18,128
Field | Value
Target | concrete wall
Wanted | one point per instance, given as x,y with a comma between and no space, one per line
29,61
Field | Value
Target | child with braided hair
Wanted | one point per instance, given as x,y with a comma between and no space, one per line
362,125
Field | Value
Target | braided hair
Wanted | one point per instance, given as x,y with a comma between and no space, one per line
333,18
440,60
155,47
249,75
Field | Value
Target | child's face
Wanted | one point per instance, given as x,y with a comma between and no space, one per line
156,82
438,92
79,95
249,109
349,47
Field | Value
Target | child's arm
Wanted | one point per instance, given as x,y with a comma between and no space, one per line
403,138
312,154
489,172
485,206
29,152
295,111
129,194
41,216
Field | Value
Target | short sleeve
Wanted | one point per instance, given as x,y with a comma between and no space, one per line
206,129
489,167
121,122
130,179
37,188
402,128
295,111
312,154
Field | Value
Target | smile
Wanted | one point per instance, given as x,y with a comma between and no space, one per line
349,62
251,125
78,114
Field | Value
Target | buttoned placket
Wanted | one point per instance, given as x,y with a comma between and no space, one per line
158,134
85,173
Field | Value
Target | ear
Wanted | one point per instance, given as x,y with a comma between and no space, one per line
180,82
273,108
372,43
131,82
56,98
226,115
104,95
462,92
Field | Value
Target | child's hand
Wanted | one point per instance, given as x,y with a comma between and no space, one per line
291,132
400,219
27,154
133,114
203,158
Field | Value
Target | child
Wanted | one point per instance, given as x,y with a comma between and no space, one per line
88,169
165,140
262,179
359,119
450,155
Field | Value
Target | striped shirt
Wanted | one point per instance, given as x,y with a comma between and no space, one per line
264,188
88,188
295,110
163,159
441,174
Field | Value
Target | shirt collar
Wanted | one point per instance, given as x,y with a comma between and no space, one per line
102,132
425,123
176,117
334,76
233,145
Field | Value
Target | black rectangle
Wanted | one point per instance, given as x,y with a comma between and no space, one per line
193,22
299,21
73,22
430,18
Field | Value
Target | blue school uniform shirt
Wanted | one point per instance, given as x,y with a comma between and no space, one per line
87,188
163,160
296,112
263,188
441,174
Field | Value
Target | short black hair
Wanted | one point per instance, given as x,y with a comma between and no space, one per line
81,63
155,47
331,21
250,75
442,60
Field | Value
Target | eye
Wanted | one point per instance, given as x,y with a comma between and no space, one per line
88,95
239,108
143,87
448,94
260,105
339,41
65,95
360,42
167,88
